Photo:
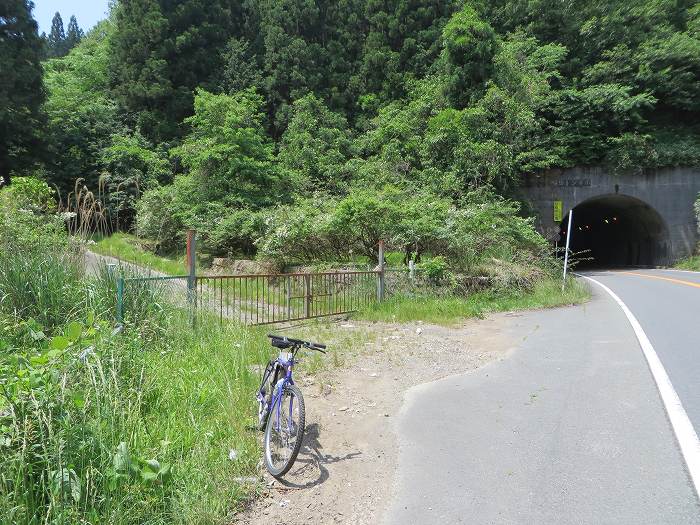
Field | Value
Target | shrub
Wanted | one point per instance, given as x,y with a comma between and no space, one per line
158,217
303,232
435,269
481,231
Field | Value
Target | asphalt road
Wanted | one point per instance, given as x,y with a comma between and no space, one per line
570,428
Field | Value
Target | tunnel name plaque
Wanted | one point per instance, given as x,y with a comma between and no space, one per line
574,183
542,182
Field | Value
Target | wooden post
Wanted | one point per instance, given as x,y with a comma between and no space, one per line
380,273
307,295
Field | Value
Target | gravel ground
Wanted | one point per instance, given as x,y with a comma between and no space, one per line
345,470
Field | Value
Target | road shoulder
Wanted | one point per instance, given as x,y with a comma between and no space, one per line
345,471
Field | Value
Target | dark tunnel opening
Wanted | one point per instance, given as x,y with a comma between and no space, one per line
616,231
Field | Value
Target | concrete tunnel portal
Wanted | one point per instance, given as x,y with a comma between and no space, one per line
610,231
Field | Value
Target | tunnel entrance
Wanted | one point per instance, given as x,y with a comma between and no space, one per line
616,230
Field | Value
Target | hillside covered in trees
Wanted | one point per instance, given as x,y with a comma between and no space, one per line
211,114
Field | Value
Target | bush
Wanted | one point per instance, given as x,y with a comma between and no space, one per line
483,231
158,217
39,265
434,269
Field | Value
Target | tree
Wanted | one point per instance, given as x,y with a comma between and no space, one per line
227,153
21,89
161,51
402,42
81,114
470,44
293,59
74,35
241,67
138,67
57,37
316,144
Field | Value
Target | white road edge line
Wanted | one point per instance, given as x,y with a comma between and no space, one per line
682,427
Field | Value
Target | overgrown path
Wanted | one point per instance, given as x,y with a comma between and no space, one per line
177,290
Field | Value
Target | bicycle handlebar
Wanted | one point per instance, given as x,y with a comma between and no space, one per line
288,341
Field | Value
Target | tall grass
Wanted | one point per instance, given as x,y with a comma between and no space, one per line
448,310
104,427
691,263
40,284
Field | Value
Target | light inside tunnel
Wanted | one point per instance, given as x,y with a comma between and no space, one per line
616,230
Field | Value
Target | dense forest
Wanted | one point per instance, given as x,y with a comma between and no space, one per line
212,114
301,132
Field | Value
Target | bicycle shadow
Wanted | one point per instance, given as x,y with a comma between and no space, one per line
311,461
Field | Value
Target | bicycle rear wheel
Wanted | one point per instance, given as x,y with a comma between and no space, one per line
284,431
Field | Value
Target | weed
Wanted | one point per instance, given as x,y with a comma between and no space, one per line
451,309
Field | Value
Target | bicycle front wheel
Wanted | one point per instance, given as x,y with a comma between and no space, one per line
284,431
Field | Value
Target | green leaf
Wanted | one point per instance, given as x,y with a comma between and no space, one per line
74,331
90,321
122,459
59,343
54,354
65,484
78,400
148,475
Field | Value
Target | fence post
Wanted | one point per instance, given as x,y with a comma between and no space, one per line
120,300
289,297
307,295
412,269
192,273
380,274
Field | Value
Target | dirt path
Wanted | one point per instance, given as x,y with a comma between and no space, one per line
344,472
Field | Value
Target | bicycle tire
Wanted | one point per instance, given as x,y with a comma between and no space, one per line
278,471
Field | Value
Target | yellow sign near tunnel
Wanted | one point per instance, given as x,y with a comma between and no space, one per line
558,211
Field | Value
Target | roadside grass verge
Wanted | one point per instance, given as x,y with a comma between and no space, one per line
450,310
150,425
127,247
691,263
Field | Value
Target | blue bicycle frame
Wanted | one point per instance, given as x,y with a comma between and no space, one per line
278,389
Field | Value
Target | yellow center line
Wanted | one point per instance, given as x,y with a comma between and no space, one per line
670,279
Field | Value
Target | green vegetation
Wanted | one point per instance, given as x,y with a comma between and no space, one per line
691,263
95,425
130,248
222,112
449,310
296,131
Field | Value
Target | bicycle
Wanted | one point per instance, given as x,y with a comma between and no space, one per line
284,427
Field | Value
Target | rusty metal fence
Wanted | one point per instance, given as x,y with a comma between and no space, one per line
259,299
277,298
